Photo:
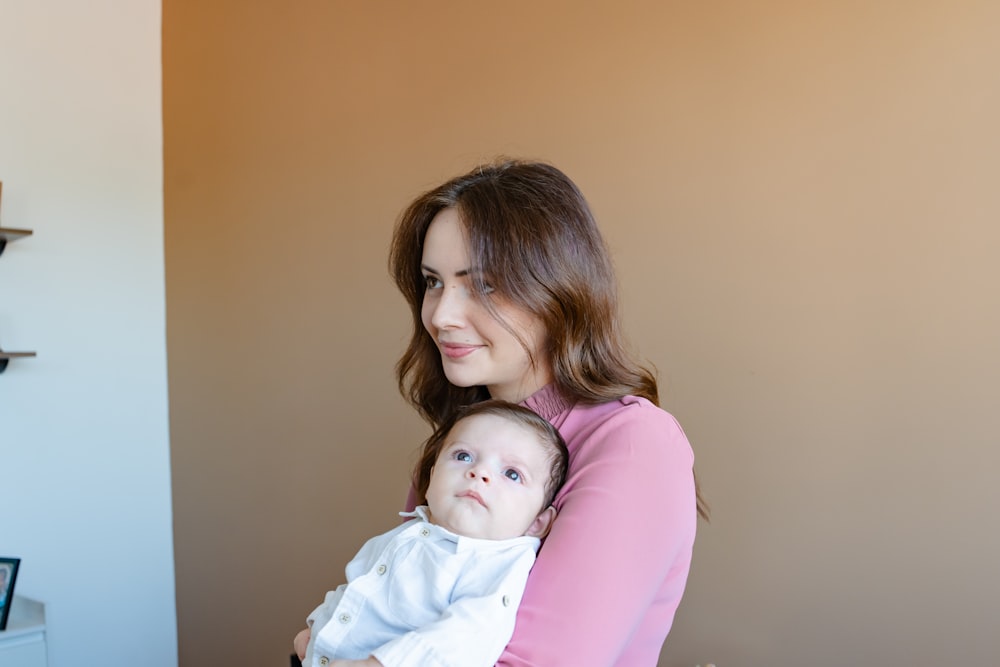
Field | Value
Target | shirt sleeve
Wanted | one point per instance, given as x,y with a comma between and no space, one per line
626,517
473,630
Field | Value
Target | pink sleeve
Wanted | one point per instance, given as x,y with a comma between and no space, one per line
624,531
411,499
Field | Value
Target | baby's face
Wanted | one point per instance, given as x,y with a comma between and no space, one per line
489,480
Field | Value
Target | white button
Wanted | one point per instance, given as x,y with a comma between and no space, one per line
324,660
506,600
424,532
345,618
380,569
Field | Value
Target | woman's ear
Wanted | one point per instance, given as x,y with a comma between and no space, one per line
543,522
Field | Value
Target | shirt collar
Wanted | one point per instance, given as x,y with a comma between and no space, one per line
548,402
422,514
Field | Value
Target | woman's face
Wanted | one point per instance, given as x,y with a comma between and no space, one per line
475,348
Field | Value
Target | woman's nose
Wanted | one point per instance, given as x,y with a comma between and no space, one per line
449,311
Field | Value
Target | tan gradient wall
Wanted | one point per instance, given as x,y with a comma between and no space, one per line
802,200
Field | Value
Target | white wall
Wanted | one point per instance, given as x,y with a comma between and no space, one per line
84,458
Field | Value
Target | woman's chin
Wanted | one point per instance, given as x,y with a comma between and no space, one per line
461,379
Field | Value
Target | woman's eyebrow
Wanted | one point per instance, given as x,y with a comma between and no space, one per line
458,274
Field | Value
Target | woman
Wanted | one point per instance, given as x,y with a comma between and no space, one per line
513,297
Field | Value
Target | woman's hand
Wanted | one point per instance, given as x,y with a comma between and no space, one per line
300,643
368,662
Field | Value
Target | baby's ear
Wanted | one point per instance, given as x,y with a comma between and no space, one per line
543,522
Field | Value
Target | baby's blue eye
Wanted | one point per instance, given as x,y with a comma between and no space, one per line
512,475
465,457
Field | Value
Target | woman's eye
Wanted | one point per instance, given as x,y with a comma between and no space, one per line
432,282
512,475
465,457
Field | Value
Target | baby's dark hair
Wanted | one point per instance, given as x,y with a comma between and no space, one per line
546,432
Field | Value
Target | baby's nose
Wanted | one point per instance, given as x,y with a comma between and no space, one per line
481,475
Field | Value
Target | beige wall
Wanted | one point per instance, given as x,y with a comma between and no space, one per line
802,200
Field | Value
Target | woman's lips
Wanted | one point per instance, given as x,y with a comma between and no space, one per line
455,351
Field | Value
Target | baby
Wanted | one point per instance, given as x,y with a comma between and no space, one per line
443,588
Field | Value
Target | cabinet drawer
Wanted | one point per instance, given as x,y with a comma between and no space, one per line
23,651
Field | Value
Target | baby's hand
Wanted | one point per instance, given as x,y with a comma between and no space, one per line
300,643
368,662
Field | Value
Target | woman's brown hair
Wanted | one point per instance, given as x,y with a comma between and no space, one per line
534,241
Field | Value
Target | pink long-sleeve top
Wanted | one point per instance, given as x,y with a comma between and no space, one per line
610,574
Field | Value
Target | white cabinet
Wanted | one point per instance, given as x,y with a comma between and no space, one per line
22,644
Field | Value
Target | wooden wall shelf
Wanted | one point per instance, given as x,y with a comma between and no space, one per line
8,234
5,358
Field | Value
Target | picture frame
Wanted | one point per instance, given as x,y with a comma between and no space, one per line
8,577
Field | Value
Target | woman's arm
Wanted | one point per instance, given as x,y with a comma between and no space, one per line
613,568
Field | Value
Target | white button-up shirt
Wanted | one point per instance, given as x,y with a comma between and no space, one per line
422,596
